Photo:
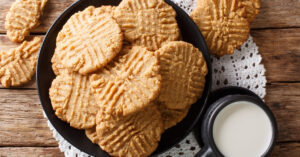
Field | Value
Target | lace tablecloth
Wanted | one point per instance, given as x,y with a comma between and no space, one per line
243,69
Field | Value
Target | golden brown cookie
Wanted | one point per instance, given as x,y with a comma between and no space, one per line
183,71
171,117
148,23
252,8
88,41
58,68
22,17
222,24
17,66
136,135
105,9
128,83
73,101
56,64
91,134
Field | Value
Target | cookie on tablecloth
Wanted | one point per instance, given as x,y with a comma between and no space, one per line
222,23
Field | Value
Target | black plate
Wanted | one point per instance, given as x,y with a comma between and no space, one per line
77,138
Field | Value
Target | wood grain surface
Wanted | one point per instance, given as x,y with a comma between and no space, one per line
280,51
24,130
22,122
278,14
30,152
290,149
284,101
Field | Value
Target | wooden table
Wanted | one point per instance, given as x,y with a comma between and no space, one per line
24,130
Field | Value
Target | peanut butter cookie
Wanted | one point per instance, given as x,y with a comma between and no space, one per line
91,134
171,117
73,101
128,83
183,71
148,23
58,67
18,65
222,23
22,17
252,8
136,135
88,41
105,9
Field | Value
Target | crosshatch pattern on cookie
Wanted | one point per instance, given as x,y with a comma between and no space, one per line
88,41
18,65
183,71
73,101
147,23
22,17
134,135
128,83
222,23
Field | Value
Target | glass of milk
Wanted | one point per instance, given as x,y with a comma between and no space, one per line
238,125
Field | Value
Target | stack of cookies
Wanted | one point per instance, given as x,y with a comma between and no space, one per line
123,76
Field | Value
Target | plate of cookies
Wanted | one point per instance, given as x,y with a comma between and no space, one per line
124,78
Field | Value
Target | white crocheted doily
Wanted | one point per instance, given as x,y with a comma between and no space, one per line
243,68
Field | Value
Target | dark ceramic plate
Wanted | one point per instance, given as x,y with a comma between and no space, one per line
77,138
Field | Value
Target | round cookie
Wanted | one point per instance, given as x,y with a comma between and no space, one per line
136,135
88,41
73,101
222,24
18,65
91,134
171,117
252,8
128,83
148,23
22,17
183,71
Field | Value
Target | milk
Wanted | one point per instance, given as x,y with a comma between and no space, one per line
242,129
